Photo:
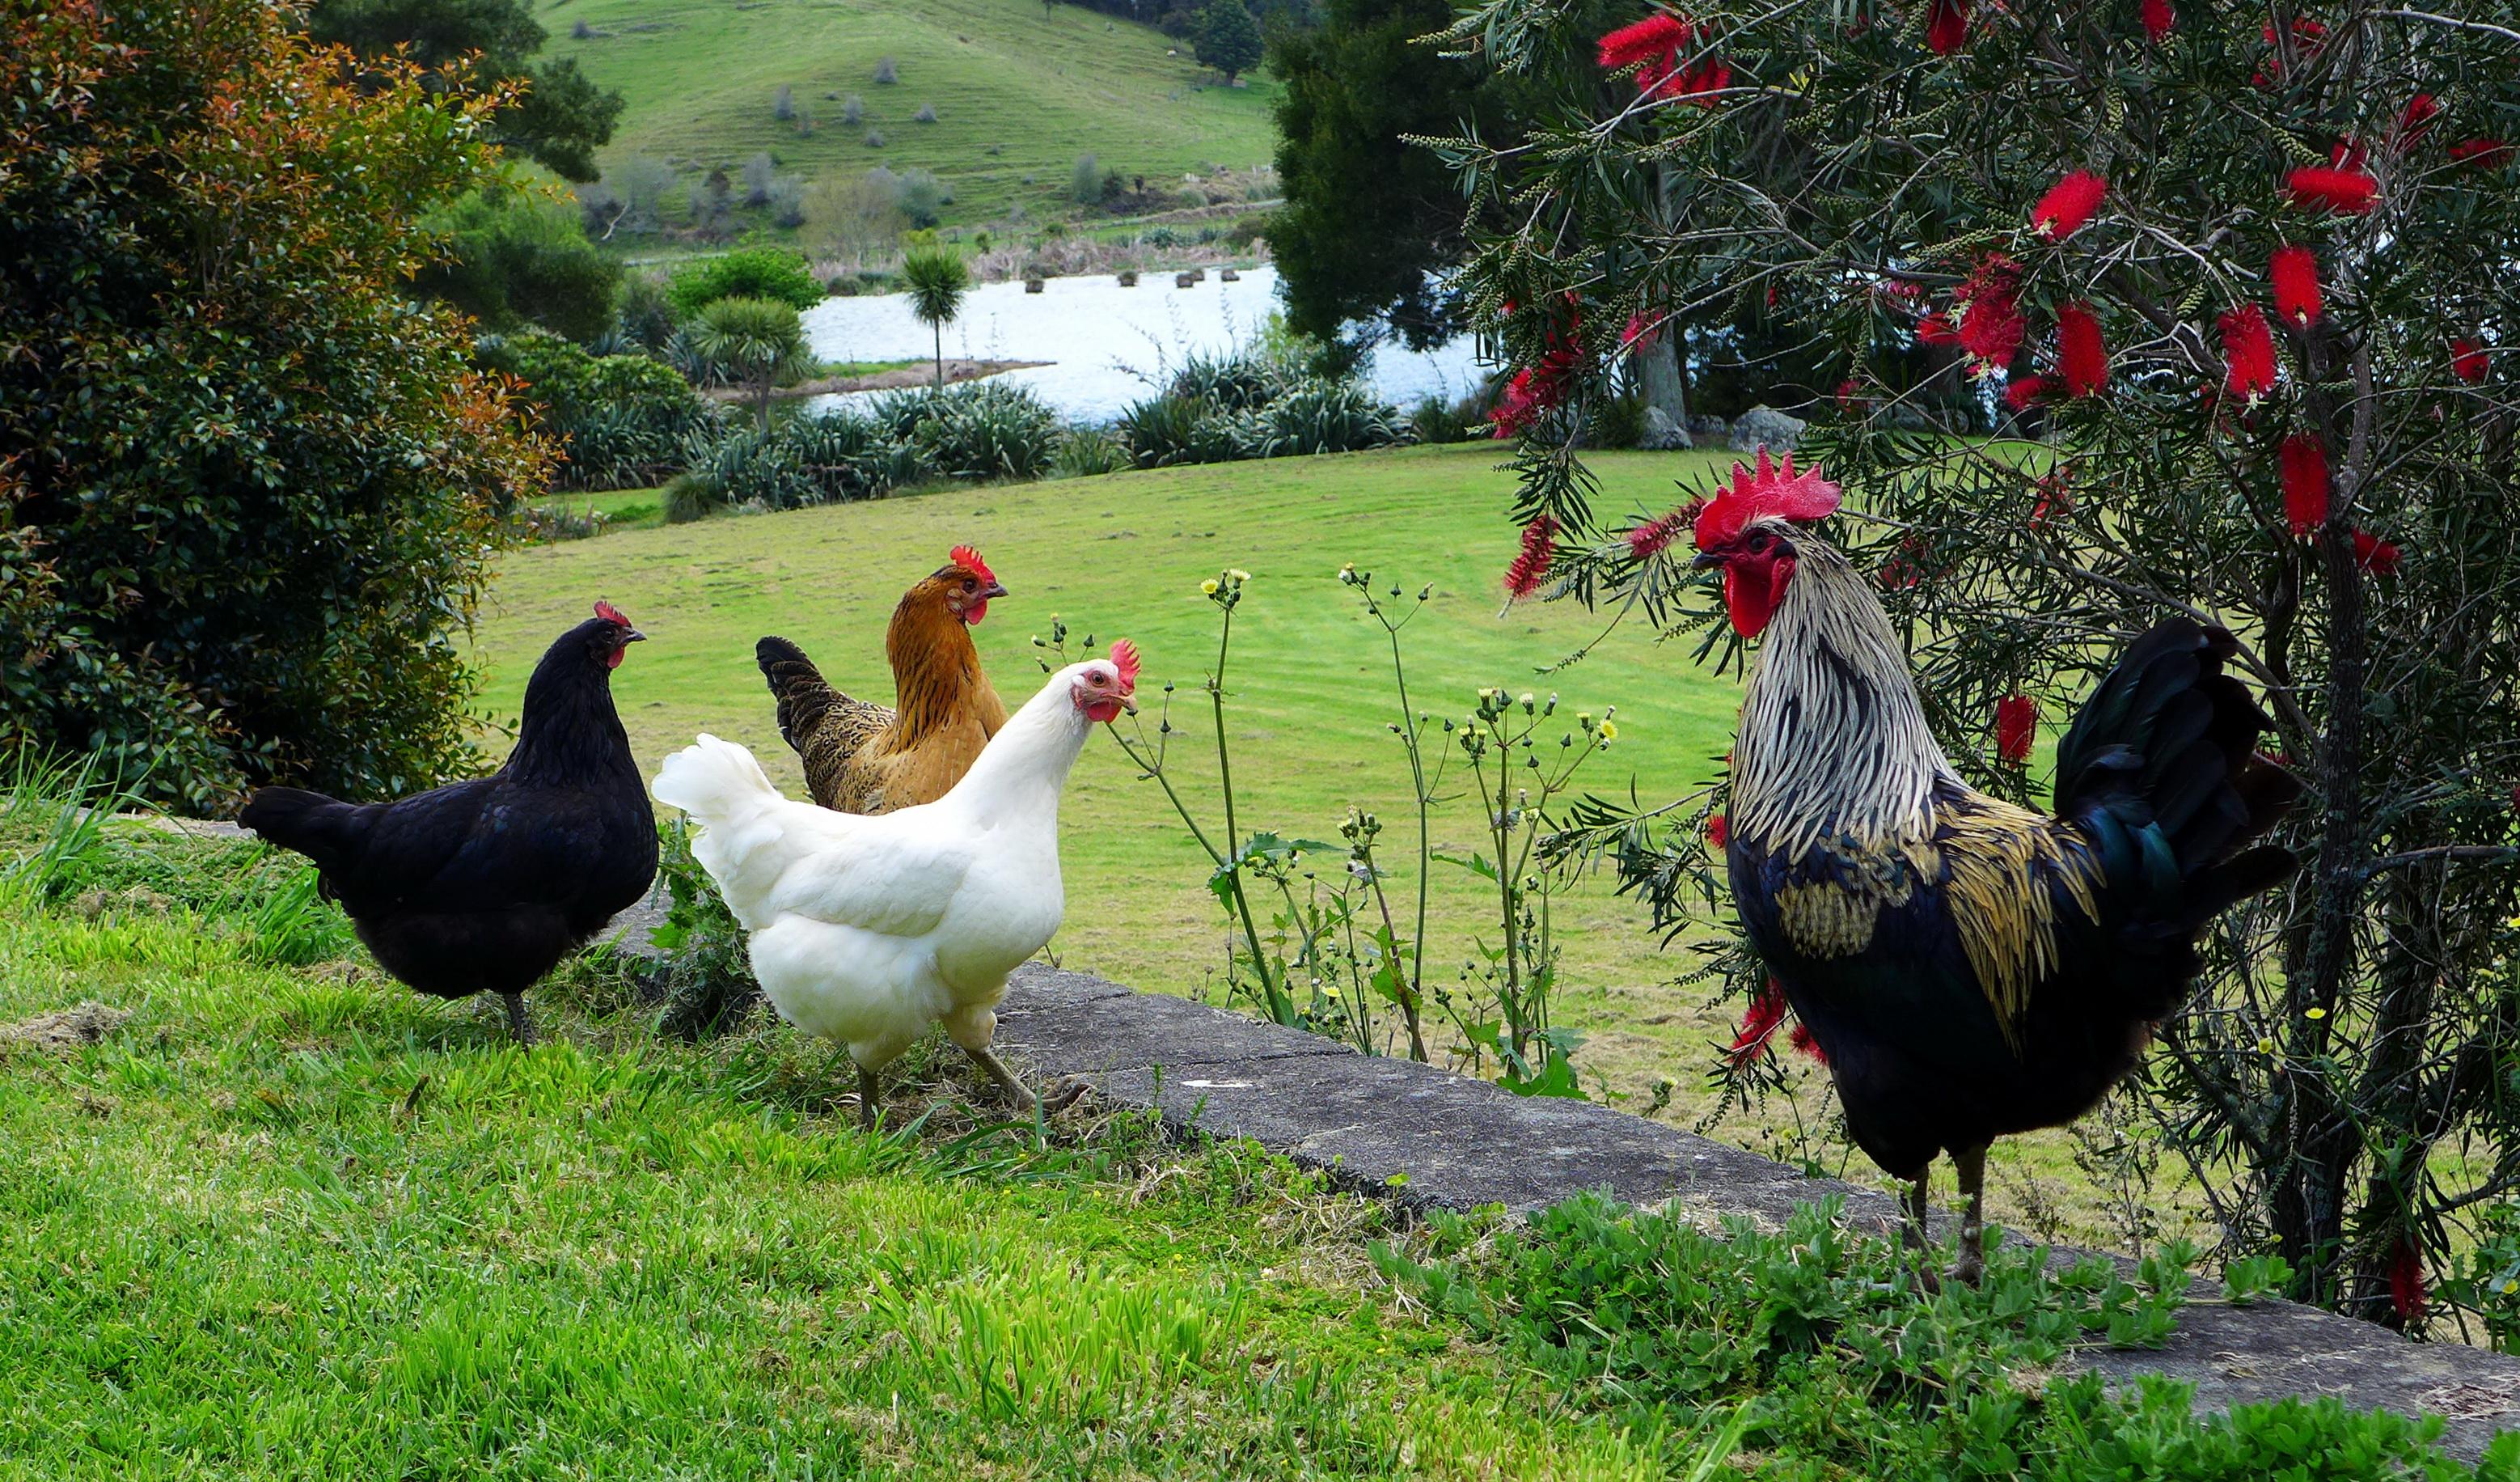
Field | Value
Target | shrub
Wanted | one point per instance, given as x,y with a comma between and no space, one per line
853,112
248,492
620,420
756,343
921,197
782,104
1086,452
978,430
757,175
642,313
1315,415
787,204
885,73
1615,422
874,139
759,272
803,461
513,258
1433,419
927,114
1165,431
1085,181
687,498
581,31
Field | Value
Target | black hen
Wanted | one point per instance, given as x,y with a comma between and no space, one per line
488,883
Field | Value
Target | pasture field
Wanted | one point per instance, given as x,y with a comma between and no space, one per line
286,1219
1020,90
1310,703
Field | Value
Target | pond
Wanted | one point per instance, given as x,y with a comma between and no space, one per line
1105,345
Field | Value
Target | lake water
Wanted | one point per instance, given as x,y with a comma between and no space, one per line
1106,343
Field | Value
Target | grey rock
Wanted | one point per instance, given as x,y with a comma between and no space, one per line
1764,427
1662,433
1709,425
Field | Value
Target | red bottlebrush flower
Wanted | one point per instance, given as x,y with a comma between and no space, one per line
2346,155
1990,323
1802,1039
1934,328
1759,1026
2022,392
2017,726
2308,37
1652,538
2248,353
2056,498
2305,482
2375,556
2157,18
1718,831
1905,568
1849,391
2406,1279
2068,204
1640,333
2295,273
2333,189
1947,27
2415,119
2082,357
2481,154
2467,360
1519,406
1656,35
1699,84
1530,564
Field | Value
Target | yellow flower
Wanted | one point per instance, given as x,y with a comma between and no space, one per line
2316,1013
1238,574
2266,1046
1208,586
1609,731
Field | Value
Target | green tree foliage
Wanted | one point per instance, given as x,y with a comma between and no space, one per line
621,421
938,280
755,342
2269,348
560,119
248,492
516,257
756,272
1228,39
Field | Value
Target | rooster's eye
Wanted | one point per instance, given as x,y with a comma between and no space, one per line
1758,543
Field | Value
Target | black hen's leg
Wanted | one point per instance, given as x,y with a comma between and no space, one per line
870,1096
1971,1166
519,1025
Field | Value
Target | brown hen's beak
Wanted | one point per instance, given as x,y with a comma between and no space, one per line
991,592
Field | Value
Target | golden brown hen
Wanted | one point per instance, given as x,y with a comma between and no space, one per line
862,757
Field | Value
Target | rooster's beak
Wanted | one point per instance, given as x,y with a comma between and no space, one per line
991,592
1704,560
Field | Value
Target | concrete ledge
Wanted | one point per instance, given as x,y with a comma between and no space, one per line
1432,1140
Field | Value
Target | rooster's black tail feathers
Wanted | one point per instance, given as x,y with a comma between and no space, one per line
803,695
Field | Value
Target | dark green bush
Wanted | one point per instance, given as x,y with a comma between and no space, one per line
517,259
977,431
754,272
1165,431
802,461
247,491
621,420
1315,415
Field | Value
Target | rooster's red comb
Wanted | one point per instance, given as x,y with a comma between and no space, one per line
1124,658
1772,493
969,561
611,613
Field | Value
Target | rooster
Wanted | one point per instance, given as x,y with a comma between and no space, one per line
488,883
864,758
1967,968
869,929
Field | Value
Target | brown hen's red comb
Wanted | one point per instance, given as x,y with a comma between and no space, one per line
1124,658
969,561
611,613
1772,493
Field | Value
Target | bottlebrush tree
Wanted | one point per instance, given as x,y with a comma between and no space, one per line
2234,286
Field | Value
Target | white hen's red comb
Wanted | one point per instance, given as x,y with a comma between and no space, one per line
1124,658
1772,493
611,613
969,561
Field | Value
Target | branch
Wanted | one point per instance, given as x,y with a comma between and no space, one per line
2482,853
2453,22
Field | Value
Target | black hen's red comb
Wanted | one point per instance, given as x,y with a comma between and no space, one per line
969,561
611,613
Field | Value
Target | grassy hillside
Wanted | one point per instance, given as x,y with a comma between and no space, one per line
1040,87
286,1219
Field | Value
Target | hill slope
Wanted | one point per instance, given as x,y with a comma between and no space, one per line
1044,88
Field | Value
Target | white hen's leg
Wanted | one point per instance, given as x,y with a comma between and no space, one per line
972,1029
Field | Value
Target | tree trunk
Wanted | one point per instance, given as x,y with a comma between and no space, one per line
939,328
761,402
1662,378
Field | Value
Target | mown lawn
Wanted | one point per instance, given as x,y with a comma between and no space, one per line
1311,700
1038,85
291,1220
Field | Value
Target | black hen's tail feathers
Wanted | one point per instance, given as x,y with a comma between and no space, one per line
804,697
324,829
2168,741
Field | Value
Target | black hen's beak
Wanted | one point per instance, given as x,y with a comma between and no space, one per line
991,592
634,635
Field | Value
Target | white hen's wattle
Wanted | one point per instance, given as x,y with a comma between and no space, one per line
868,930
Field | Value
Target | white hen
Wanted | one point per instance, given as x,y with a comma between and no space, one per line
868,930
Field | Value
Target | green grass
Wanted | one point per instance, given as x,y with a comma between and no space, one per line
1311,699
299,1222
699,76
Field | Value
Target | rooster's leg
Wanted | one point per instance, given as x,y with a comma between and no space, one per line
986,1059
870,1096
519,1025
1970,1163
1913,1234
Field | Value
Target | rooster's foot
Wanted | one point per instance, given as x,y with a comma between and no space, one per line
521,1026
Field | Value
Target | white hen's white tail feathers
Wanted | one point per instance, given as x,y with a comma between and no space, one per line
713,781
